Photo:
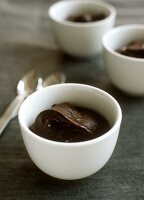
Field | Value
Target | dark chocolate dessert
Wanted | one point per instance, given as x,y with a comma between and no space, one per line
68,123
86,17
133,49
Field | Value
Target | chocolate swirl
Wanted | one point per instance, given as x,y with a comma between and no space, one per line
68,123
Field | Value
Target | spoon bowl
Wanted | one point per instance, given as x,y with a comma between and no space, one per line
24,88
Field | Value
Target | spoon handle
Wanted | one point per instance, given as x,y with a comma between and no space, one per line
10,112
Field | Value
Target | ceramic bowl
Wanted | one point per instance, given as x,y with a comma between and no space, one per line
126,73
77,160
80,39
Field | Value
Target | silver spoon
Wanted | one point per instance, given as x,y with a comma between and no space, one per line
54,78
24,88
28,84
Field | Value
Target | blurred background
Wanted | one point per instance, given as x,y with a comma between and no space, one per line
27,20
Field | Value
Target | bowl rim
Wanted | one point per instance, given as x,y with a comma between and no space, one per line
114,31
82,143
106,5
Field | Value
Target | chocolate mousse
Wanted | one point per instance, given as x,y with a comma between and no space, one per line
86,17
133,49
68,123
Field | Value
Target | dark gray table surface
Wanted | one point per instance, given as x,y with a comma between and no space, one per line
26,42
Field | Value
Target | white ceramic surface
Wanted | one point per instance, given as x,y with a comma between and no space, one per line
70,160
126,73
80,39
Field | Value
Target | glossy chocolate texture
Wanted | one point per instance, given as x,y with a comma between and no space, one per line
68,123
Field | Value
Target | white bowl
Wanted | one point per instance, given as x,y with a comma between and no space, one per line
80,39
70,160
126,73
